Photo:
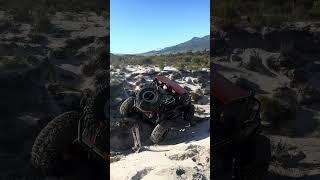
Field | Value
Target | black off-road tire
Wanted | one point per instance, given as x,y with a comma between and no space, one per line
49,146
159,131
126,106
258,165
94,110
96,118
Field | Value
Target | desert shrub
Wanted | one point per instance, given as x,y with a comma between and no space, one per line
274,112
195,96
181,66
147,61
161,65
179,60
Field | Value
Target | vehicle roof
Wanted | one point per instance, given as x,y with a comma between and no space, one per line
224,90
172,84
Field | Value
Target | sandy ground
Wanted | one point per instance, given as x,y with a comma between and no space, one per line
162,162
182,155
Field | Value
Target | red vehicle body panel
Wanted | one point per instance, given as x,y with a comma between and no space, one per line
224,90
171,84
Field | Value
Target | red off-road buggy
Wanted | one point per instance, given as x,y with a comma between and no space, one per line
240,151
162,103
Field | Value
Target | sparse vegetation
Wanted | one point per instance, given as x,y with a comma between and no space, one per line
195,96
161,65
262,13
274,112
182,61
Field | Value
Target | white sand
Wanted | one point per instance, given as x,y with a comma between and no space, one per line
162,162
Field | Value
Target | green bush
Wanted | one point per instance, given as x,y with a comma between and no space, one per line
196,97
147,61
161,65
274,112
181,66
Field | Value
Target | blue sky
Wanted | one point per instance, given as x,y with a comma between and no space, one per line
138,26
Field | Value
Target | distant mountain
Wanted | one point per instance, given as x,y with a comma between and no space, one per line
194,44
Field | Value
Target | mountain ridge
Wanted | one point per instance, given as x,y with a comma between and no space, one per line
194,44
